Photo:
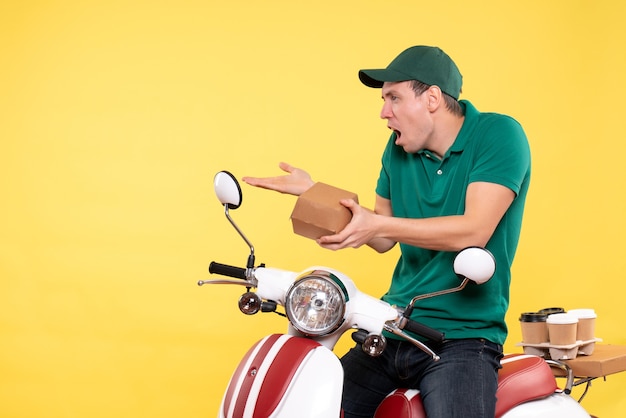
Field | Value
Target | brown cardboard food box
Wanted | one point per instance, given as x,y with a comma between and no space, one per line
318,212
605,360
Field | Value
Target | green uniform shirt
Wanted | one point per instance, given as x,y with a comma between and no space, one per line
489,148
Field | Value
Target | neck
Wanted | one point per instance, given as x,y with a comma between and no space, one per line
449,126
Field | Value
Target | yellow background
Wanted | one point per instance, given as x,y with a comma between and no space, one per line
115,115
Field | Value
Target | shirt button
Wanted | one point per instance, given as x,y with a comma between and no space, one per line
439,172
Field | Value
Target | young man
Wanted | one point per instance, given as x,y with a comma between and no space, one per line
451,177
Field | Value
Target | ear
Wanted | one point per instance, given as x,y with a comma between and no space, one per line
435,98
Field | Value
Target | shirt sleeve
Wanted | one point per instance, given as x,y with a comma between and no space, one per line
503,156
383,188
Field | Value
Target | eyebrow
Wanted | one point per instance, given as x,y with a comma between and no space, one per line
390,92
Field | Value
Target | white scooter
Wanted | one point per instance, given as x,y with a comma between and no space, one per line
283,372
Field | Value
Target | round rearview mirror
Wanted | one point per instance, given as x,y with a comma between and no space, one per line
227,189
475,263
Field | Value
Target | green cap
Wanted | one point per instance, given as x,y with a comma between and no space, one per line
427,64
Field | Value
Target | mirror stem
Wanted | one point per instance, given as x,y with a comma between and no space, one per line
409,309
251,257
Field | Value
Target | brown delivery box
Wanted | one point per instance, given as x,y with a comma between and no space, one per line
605,360
318,211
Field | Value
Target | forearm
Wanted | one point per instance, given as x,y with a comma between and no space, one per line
485,206
447,233
381,245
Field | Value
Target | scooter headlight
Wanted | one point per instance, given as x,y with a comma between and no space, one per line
316,303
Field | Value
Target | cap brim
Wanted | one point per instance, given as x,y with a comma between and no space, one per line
376,78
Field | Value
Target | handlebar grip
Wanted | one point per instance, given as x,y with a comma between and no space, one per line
226,270
424,331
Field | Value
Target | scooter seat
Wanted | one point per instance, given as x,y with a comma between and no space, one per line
401,403
522,378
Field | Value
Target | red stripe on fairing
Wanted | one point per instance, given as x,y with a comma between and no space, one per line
248,379
280,374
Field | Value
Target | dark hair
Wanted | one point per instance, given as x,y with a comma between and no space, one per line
451,103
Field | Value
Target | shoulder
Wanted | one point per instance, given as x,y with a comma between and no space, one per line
492,122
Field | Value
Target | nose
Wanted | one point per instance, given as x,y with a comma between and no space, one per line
385,112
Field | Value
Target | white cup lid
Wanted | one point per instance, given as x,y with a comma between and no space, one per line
583,313
562,318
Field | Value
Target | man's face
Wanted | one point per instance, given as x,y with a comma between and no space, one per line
407,115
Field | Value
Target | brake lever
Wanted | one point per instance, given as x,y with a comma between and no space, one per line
393,328
245,283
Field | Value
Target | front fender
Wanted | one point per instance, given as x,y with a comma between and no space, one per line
285,376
